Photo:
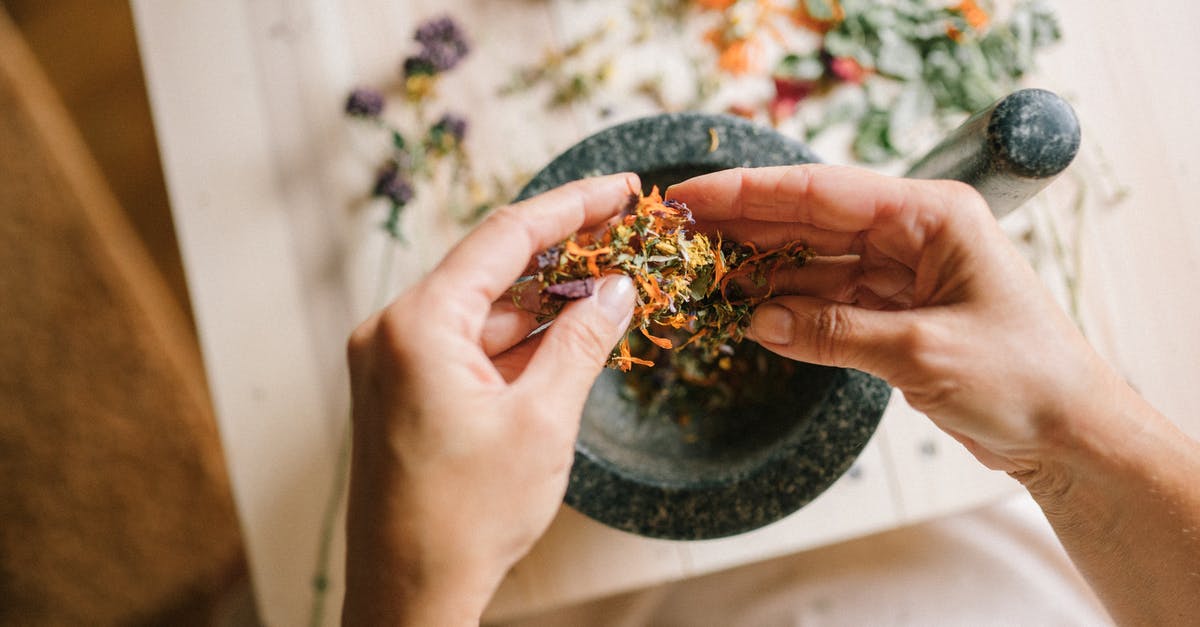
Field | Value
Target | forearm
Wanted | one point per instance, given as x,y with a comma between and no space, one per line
391,579
1124,500
385,602
389,596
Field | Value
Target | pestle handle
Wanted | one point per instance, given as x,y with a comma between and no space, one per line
1009,151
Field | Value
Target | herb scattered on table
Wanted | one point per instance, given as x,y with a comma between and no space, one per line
418,147
884,68
558,69
694,293
911,60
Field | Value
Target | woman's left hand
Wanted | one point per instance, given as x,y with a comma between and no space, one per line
464,427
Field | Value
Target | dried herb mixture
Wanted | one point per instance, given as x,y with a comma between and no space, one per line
885,68
695,293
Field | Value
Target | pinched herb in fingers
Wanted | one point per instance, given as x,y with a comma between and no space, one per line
690,285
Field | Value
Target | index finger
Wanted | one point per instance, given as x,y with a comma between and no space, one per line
491,257
832,198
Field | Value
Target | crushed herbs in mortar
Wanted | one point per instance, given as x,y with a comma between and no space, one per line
694,293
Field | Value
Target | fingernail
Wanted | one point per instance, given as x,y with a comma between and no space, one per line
773,324
616,297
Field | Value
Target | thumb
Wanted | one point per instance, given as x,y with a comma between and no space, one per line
579,342
830,333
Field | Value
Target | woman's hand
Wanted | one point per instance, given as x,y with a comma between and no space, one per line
917,285
463,427
921,288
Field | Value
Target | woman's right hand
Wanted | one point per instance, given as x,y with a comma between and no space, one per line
922,289
917,284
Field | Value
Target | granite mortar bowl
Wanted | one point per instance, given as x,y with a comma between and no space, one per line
730,471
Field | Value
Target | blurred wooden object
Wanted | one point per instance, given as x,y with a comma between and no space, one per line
88,50
114,502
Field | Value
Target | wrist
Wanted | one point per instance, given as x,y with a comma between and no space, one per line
410,595
1103,433
397,575
1119,491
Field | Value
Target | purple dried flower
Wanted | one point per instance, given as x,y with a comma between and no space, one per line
447,133
630,204
443,43
437,29
389,184
364,102
418,65
572,290
682,208
454,126
548,259
442,58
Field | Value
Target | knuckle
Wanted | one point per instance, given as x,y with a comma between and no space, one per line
581,187
581,338
962,197
448,307
924,343
832,329
804,174
516,222
360,339
927,375
917,339
511,219
506,214
398,329
931,395
797,181
956,189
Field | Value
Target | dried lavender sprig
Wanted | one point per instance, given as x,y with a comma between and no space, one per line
392,185
453,125
443,43
364,102
448,133
417,65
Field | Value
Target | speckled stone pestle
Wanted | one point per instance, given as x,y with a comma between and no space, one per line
1009,151
724,473
744,468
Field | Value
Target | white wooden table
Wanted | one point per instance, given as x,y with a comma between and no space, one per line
263,172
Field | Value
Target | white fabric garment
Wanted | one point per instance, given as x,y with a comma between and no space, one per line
1000,565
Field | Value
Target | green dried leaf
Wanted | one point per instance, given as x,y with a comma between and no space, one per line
898,58
822,10
914,105
806,67
871,143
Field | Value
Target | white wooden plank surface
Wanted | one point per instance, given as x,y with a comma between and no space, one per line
262,368
282,257
1132,77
